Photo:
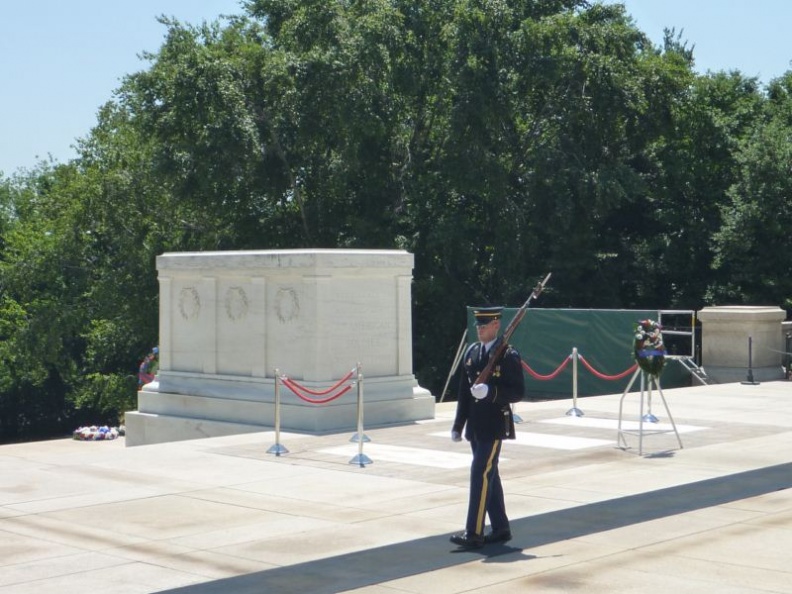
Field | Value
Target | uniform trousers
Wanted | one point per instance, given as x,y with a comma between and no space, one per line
486,492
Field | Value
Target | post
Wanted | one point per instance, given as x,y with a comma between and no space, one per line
574,411
361,459
649,417
277,448
359,436
750,379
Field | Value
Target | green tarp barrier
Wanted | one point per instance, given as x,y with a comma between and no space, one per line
546,337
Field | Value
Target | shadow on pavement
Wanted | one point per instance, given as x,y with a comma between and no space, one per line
382,564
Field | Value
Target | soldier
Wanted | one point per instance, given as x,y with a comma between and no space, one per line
484,412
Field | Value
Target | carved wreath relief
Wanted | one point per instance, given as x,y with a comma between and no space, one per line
236,303
287,305
189,303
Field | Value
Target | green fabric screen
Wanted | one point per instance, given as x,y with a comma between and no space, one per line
546,337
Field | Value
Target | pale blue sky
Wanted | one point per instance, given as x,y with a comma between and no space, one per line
751,36
61,60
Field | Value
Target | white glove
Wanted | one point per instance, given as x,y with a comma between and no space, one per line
479,391
455,436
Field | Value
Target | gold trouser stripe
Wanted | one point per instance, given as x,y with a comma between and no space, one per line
482,510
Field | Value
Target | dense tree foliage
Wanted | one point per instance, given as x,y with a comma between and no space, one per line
495,140
753,244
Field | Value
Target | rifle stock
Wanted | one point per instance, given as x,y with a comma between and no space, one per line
507,333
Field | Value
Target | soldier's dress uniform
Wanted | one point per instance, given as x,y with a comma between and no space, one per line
487,422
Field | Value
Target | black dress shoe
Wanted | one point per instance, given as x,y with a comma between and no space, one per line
502,535
468,540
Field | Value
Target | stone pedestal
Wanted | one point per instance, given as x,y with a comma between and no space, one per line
726,331
228,320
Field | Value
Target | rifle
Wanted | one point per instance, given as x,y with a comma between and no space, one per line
497,353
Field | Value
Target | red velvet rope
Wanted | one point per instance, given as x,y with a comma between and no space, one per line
320,392
618,376
295,388
545,377
588,366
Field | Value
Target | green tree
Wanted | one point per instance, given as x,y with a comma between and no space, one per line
496,141
541,132
688,170
753,247
39,323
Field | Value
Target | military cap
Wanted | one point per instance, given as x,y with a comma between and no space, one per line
484,315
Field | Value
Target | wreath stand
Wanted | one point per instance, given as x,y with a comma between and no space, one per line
646,389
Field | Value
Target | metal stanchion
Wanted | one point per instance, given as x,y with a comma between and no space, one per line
277,448
360,459
648,417
574,411
359,435
749,381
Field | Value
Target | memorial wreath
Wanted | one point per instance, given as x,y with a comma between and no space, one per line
648,347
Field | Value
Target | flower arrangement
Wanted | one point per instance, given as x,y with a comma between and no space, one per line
96,433
648,347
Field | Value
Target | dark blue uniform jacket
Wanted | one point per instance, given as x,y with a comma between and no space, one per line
490,418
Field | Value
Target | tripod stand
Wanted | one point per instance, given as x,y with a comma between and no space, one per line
646,389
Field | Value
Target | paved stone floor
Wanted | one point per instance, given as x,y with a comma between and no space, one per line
590,512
